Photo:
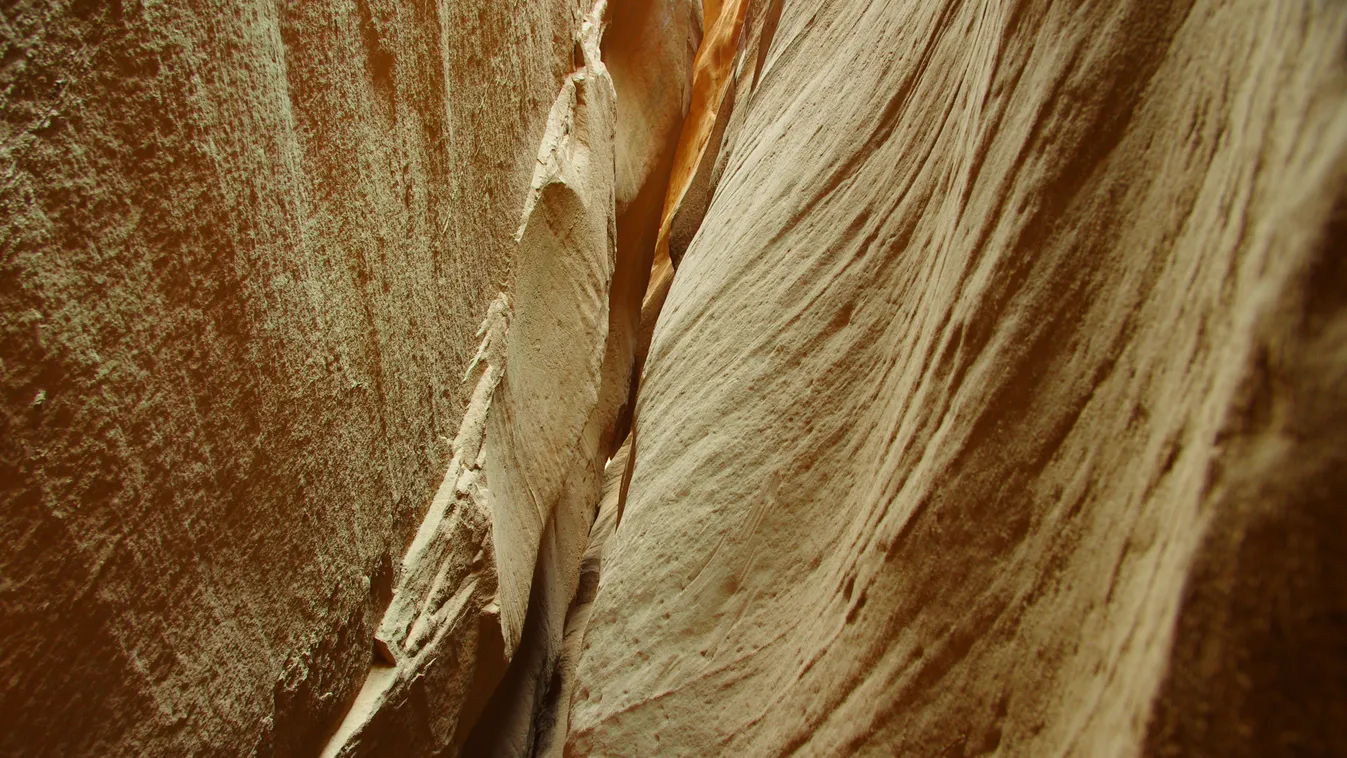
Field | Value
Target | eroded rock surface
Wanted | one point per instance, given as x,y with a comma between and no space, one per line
244,252
996,405
441,645
555,372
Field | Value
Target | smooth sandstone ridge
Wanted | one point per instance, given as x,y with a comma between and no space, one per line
997,405
673,377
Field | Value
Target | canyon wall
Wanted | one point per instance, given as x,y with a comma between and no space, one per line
663,377
997,403
245,252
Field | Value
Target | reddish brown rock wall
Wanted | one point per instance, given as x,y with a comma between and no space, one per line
245,250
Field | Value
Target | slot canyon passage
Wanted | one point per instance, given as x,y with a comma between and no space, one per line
673,378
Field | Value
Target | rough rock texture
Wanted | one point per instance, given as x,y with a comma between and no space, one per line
553,375
440,647
997,404
245,249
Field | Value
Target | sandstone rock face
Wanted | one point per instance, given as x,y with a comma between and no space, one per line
649,48
997,403
553,376
440,647
245,250
553,721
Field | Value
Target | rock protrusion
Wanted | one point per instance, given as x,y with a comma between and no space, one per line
440,643
555,357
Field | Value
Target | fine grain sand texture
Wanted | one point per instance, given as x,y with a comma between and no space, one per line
245,250
997,404
542,378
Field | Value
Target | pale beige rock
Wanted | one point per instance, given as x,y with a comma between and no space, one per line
440,646
552,722
558,338
996,405
545,425
546,480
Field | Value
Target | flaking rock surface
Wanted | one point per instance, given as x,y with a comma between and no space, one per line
996,405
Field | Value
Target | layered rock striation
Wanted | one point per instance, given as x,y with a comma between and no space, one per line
996,402
827,378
